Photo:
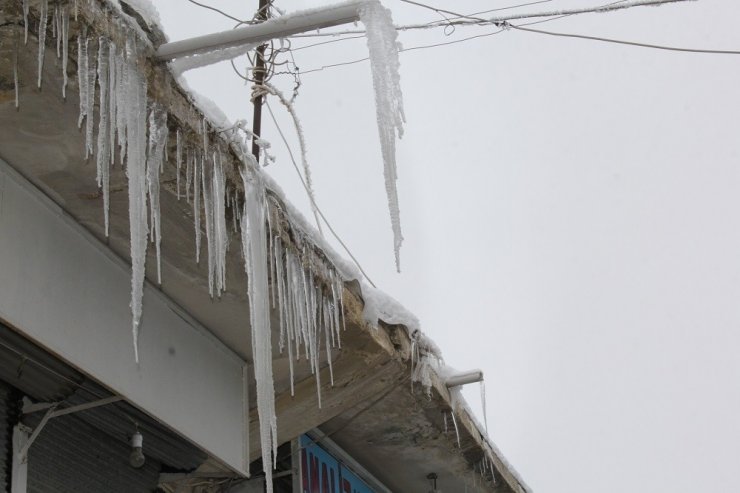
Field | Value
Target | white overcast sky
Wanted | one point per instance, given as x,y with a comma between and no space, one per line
571,212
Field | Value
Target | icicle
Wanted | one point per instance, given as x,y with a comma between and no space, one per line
483,403
76,10
65,50
113,88
134,106
207,185
90,106
57,28
445,419
103,162
205,136
234,212
384,64
221,240
179,161
283,308
254,244
271,260
328,348
214,183
25,21
188,172
44,13
196,206
157,142
82,75
15,72
457,430
122,71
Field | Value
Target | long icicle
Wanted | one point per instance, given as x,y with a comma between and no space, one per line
103,155
44,13
65,50
384,64
254,244
157,142
135,113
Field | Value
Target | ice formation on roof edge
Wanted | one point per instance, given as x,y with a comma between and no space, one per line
306,291
306,288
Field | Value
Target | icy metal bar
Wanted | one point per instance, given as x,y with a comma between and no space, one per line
464,378
278,27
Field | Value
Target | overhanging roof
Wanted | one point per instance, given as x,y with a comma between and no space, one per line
371,411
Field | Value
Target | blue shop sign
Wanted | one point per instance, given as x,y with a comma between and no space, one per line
322,473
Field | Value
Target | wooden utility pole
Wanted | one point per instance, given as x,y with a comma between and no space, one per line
259,79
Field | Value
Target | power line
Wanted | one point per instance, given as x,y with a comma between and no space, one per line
412,48
313,201
439,11
217,10
499,21
329,42
629,43
612,7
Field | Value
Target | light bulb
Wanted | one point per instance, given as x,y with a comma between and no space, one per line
136,459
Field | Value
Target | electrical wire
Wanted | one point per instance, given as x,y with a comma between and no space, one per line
440,11
610,7
629,43
315,205
411,48
218,11
620,5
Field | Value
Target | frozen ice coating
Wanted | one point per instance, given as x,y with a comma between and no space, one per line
82,45
104,122
90,103
254,242
15,76
57,29
221,233
134,87
196,203
383,49
44,14
157,142
86,75
207,187
198,60
286,272
112,110
65,49
178,159
25,21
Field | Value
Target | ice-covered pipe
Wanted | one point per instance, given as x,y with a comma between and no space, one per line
464,378
278,27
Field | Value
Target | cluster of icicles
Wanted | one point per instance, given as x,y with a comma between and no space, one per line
308,298
284,272
59,32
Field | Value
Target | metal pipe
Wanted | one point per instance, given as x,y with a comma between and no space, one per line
278,27
464,378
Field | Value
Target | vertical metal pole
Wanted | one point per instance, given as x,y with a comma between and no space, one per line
259,78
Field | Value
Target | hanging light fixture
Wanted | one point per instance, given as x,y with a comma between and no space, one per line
432,477
136,459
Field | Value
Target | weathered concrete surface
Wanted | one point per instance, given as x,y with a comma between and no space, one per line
43,143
